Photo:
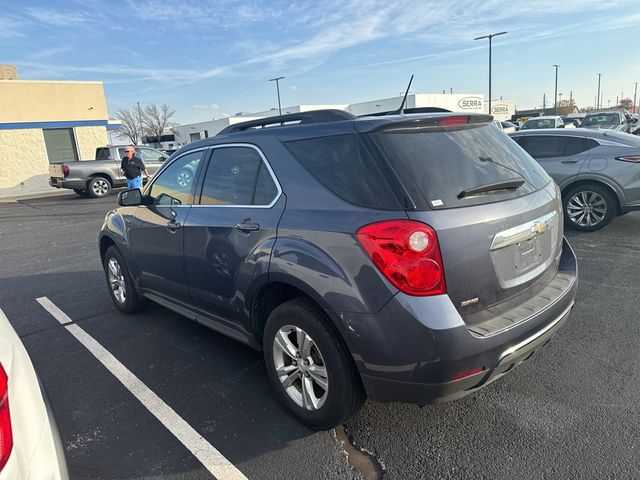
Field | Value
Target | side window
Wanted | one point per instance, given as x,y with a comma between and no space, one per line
150,154
591,143
174,185
344,165
575,145
237,176
102,154
543,146
120,153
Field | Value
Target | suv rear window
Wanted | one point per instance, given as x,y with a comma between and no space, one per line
343,164
441,163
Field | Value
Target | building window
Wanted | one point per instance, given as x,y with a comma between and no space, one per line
60,144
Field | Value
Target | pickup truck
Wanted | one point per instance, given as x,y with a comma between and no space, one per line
97,177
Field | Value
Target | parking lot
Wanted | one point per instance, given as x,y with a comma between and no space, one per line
568,412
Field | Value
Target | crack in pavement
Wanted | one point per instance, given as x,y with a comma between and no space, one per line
362,461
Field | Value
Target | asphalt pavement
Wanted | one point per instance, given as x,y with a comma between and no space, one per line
568,412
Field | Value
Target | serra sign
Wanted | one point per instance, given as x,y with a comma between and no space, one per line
500,108
468,103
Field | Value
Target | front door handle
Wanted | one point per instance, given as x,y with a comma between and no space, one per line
173,226
247,227
571,162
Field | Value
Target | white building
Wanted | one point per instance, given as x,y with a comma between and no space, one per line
458,102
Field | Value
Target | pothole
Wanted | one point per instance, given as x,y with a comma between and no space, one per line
364,462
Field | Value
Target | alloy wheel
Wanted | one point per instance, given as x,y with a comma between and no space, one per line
116,281
300,367
100,187
587,208
184,179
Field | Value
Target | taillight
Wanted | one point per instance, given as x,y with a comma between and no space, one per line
468,373
631,158
65,170
448,121
6,436
408,255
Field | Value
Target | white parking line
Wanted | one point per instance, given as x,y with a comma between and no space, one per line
206,453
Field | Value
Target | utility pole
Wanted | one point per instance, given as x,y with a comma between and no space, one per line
451,90
544,102
570,98
277,79
555,98
490,37
598,102
635,94
139,121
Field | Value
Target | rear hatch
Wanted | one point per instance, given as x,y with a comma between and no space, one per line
496,212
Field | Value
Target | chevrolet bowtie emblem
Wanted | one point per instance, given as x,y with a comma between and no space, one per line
538,228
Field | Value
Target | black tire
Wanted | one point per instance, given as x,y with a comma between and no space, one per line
344,394
80,192
131,302
98,187
592,196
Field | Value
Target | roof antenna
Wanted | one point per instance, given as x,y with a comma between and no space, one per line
404,100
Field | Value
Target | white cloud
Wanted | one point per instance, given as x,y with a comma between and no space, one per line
11,27
55,18
206,106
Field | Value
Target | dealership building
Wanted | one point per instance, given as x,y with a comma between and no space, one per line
461,102
44,122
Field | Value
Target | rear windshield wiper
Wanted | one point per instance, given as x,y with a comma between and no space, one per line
491,187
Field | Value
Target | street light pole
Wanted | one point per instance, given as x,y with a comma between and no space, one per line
555,99
277,79
598,102
490,36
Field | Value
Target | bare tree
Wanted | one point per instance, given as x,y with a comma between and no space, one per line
626,103
156,120
131,124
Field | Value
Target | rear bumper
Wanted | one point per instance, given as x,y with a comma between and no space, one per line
64,183
412,349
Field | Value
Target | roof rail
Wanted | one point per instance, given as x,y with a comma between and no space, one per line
313,116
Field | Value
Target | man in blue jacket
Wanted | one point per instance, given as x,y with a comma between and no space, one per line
132,167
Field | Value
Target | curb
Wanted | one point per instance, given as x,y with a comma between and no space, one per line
35,195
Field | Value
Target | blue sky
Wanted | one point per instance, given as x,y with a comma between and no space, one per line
210,58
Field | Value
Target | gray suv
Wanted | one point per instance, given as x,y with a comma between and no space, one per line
598,172
411,258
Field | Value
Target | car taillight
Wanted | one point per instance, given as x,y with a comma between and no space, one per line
630,158
65,170
408,255
448,121
6,436
468,373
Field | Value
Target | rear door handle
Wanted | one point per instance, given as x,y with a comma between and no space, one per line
247,227
569,161
173,226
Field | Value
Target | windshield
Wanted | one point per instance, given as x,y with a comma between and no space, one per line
605,119
438,164
539,123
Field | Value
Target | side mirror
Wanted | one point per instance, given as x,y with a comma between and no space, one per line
166,200
162,159
130,198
